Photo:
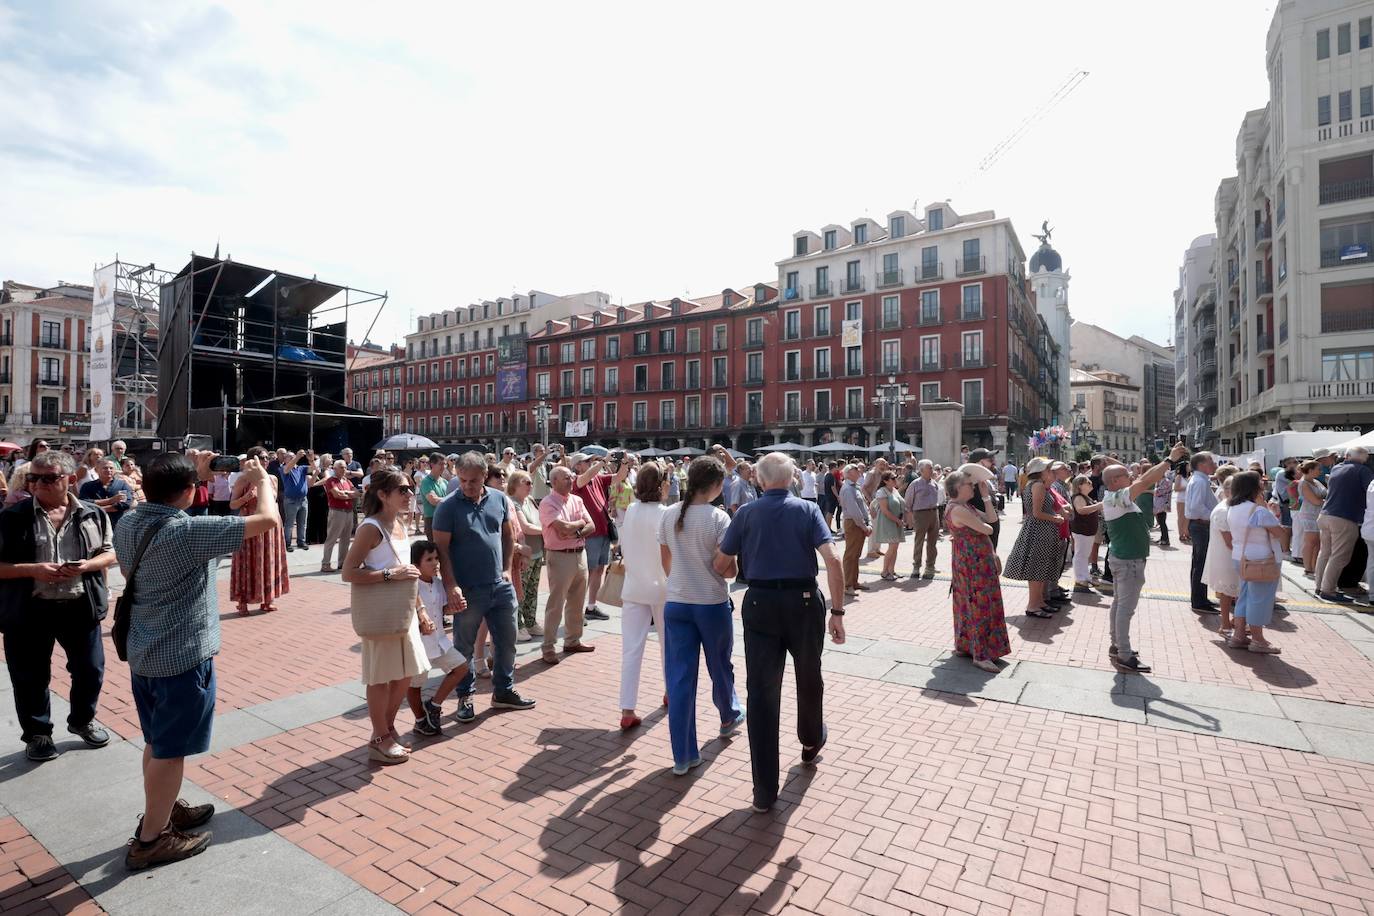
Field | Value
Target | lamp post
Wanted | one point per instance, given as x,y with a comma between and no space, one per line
892,396
541,413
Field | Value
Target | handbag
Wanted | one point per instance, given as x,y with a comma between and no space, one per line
383,608
1265,570
613,584
119,632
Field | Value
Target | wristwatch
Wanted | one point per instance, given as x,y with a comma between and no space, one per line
838,612
386,575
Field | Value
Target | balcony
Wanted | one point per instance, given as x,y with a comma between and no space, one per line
1264,234
931,272
791,334
970,361
1264,289
1018,365
753,342
1358,390
751,379
1335,192
541,359
971,267
974,408
51,343
791,294
719,345
1207,330
564,391
753,418
820,290
720,381
1232,319
852,372
1345,256
890,322
891,367
852,285
929,318
1283,331
51,380
888,278
642,350
611,389
1207,365
1341,322
588,390
1233,277
972,312
6,340
4,378
692,382
822,330
820,375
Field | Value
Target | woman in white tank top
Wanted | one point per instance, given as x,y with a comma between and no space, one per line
380,552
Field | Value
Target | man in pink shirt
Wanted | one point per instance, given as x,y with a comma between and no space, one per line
567,524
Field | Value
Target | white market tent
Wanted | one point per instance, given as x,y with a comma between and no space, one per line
1274,448
1366,441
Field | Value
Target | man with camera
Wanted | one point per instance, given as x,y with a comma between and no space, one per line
297,477
595,477
54,550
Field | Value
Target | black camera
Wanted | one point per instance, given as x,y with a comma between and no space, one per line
228,463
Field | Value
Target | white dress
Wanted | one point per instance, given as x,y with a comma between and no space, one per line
1219,570
390,658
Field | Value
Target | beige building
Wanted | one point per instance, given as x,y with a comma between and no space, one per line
1106,411
1146,365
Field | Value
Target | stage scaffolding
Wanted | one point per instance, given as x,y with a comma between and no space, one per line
135,368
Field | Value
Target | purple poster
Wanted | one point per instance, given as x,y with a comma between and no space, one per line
510,384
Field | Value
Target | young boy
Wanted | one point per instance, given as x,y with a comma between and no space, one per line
442,655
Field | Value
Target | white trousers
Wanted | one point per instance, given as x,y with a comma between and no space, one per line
635,620
1082,552
1300,528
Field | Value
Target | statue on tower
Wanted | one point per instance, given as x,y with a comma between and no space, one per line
1047,231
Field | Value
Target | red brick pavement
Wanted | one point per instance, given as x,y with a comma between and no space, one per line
1316,661
922,803
31,881
308,643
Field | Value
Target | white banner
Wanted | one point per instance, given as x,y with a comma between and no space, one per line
575,429
102,353
851,333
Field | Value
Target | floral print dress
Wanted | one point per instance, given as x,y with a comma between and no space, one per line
980,627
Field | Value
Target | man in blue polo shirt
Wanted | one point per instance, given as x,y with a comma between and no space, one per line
776,538
476,542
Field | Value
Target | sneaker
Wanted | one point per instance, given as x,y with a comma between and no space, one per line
171,845
423,727
536,631
759,807
1111,652
1133,664
92,734
1096,572
1335,597
929,573
465,714
595,613
727,729
40,748
680,769
188,817
511,700
289,549
523,635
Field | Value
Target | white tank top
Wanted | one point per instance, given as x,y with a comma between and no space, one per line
382,556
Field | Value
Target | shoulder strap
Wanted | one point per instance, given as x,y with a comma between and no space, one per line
143,543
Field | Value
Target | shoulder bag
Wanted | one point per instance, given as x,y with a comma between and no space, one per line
119,632
383,608
1265,570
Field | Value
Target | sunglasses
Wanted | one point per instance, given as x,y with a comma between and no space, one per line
407,490
48,479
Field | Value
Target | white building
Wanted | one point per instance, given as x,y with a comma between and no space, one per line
1295,228
1143,366
480,326
1195,343
1050,281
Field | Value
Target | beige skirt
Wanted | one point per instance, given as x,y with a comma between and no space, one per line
390,658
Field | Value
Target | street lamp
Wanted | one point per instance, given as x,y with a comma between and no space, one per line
892,396
541,413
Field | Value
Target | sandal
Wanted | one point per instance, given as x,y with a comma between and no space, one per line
244,612
268,609
379,753
399,743
1040,613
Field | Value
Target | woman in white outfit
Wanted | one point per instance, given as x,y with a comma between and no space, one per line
380,552
646,584
1219,570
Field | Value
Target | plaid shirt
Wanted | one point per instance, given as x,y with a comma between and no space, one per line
174,625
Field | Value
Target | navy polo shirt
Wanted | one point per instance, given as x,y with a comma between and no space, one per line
776,536
474,528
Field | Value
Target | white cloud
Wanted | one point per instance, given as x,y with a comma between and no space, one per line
448,152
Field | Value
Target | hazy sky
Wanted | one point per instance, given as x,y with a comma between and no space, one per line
448,153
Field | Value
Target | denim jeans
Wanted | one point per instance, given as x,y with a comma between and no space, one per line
496,605
294,510
689,630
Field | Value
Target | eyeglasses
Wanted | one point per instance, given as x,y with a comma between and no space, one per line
404,489
48,479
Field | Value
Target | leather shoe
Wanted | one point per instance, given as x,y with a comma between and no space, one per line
577,647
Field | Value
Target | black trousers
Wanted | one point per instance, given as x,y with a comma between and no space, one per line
28,654
996,532
1162,520
1201,533
778,624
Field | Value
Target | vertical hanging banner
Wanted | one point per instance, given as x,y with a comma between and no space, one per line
102,353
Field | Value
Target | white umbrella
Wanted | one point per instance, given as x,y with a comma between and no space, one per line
845,447
405,442
1366,441
901,447
651,453
685,452
782,447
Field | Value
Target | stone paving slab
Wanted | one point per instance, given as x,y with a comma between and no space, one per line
1304,710
1099,704
1227,723
1233,698
1345,743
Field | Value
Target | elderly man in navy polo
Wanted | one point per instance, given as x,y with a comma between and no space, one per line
476,543
776,539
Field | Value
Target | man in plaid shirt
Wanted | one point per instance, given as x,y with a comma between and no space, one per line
174,637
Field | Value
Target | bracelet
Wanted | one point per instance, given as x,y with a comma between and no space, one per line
837,612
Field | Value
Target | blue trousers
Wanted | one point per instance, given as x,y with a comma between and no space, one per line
496,605
689,630
1255,603
295,511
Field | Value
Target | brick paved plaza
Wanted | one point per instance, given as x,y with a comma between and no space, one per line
1222,783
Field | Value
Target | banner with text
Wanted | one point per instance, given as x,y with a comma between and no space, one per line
102,353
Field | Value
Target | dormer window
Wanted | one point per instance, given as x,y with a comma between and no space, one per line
674,307
800,245
596,319
727,299
898,226
861,234
760,291
548,327
936,219
830,237
620,314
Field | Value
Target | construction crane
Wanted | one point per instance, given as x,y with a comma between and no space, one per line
1059,95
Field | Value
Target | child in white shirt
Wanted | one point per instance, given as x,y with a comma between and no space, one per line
442,655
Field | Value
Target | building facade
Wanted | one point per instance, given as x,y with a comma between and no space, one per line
1143,365
1295,229
45,366
374,379
1107,412
1195,343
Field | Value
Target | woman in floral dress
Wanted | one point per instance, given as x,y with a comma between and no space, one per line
980,627
257,572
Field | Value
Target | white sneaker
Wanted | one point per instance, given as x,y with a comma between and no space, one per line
536,630
523,635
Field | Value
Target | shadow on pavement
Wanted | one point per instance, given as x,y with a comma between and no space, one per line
570,757
1147,689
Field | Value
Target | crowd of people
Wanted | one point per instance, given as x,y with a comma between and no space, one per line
446,557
